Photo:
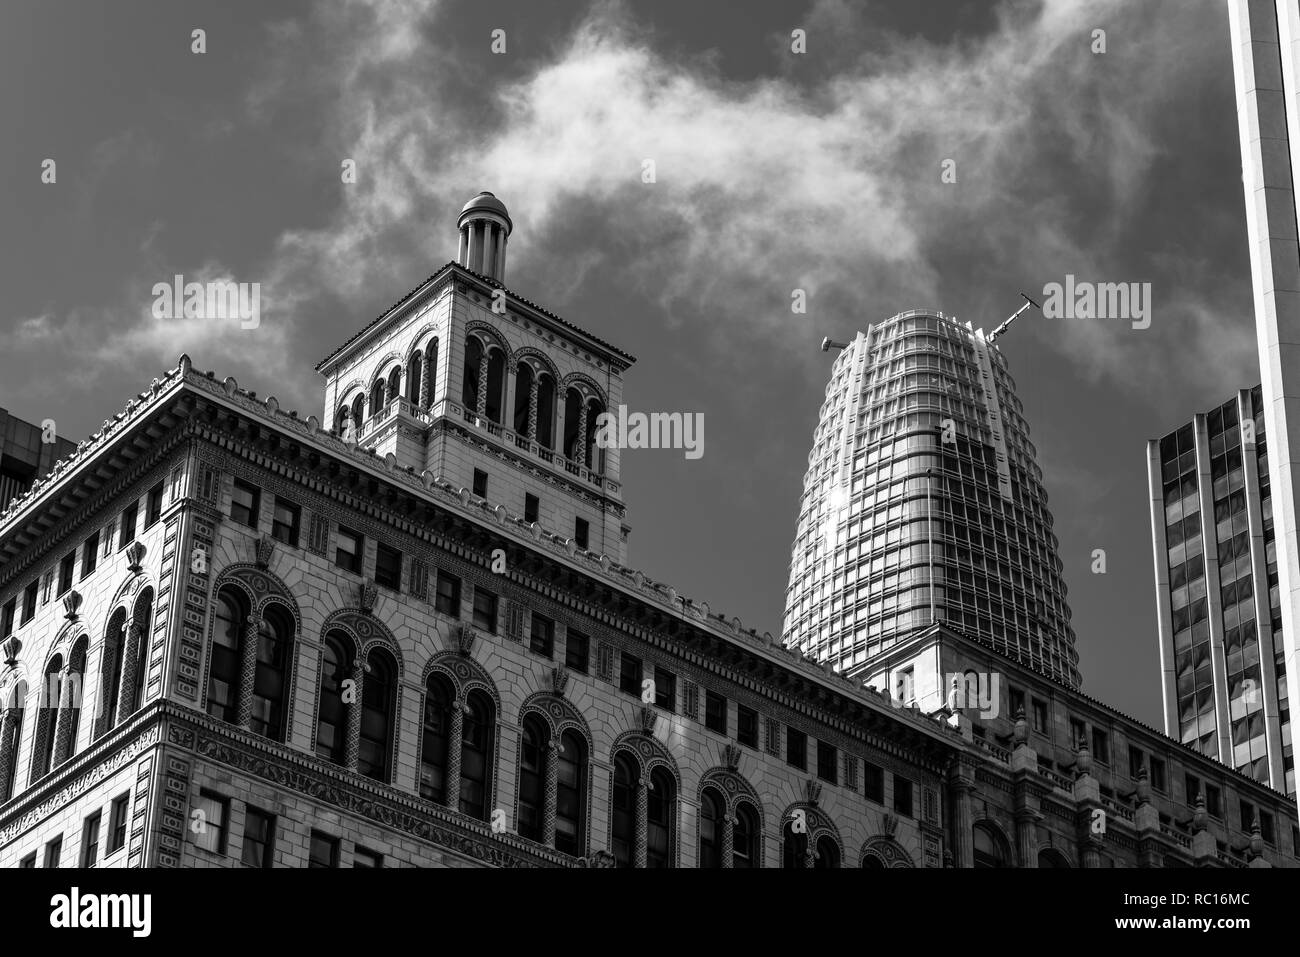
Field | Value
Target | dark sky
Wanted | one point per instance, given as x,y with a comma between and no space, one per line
775,171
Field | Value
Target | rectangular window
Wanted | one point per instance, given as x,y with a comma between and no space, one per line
117,822
1213,801
580,529
90,840
796,749
1017,702
828,762
480,483
209,830
1247,816
541,639
153,506
629,674
29,602
715,712
902,796
531,505
259,838
66,568
54,851
285,520
347,553
665,690
28,861
577,649
746,726
388,567
447,600
1157,773
364,857
1078,733
1266,827
1040,716
873,780
7,618
1135,761
1193,789
89,554
128,525
245,504
1100,746
485,610
324,850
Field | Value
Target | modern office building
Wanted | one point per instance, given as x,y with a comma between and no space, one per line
24,455
237,636
1222,659
922,503
1266,68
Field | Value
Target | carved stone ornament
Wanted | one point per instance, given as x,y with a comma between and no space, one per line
71,602
465,636
812,791
368,593
135,557
265,549
559,679
648,719
11,648
731,757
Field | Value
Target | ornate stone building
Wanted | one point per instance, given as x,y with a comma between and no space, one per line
407,636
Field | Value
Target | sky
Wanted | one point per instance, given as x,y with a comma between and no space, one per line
775,170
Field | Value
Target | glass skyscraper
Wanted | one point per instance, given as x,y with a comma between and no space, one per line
923,503
1221,651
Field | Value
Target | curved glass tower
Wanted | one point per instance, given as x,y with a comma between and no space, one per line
922,503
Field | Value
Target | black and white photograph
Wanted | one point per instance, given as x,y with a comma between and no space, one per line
560,435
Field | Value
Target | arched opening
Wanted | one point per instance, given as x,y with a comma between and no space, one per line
274,641
532,772
662,807
571,796
744,837
72,691
546,410
438,700
358,412
110,669
712,811
394,390
623,832
414,372
593,457
794,846
15,699
377,397
1049,857
476,754
523,392
47,721
572,411
224,660
378,694
828,853
496,385
433,371
342,418
144,622
990,847
873,862
331,720
469,383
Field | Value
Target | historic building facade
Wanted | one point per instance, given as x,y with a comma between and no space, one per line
237,636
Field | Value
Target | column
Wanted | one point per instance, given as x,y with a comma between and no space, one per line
1027,836
482,383
532,410
728,839
65,718
352,751
551,793
7,721
640,851
959,792
489,248
454,736
430,377
501,254
462,248
423,398
580,447
126,703
511,383
475,247
247,672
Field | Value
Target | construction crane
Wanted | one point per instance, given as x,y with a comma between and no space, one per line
1002,328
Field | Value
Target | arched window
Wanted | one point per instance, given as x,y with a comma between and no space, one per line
377,700
1049,857
414,372
571,799
990,848
377,397
433,370
712,811
223,666
359,411
51,688
523,393
437,725
110,671
274,640
794,846
594,458
532,770
394,383
873,862
572,411
660,819
744,851
496,384
476,754
341,419
72,691
545,410
624,809
16,700
828,853
144,622
331,721
469,385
